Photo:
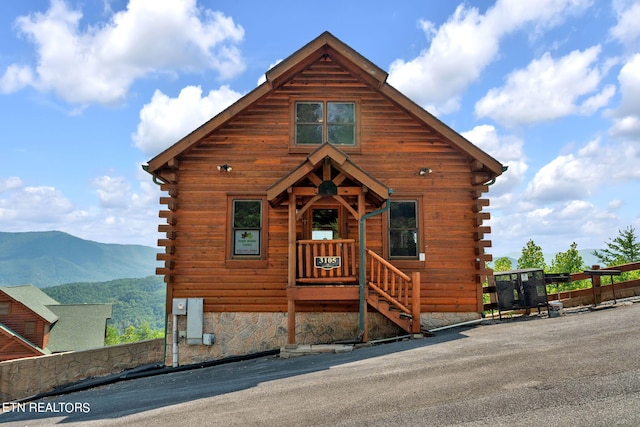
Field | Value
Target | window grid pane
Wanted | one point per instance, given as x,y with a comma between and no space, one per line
341,121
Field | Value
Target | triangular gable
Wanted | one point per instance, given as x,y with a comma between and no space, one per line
377,191
327,44
19,342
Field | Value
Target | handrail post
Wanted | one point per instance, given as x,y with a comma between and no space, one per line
415,302
596,288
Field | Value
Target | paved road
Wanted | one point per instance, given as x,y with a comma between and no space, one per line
582,369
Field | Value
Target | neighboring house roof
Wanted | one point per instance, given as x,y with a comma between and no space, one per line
74,326
20,342
34,299
357,64
80,326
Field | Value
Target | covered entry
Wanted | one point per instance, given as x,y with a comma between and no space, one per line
326,195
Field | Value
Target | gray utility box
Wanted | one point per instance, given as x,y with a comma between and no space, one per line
179,307
520,289
195,320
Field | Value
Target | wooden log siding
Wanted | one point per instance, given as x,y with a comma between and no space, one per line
392,147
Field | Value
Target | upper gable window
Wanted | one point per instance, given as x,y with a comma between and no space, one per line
320,121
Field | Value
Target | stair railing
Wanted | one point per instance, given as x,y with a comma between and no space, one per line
395,287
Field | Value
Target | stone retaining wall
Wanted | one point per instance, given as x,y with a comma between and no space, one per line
22,378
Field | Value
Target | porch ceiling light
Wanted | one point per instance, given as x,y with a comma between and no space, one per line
425,171
224,168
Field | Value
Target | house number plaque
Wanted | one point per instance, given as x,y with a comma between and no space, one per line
327,262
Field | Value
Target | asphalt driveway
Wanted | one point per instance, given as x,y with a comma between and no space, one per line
579,369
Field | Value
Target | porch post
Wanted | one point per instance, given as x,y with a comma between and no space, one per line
415,302
291,273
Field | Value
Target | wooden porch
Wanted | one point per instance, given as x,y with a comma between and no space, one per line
327,270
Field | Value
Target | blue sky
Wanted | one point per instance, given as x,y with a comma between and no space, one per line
90,90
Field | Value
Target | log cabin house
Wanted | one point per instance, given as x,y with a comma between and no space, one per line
322,206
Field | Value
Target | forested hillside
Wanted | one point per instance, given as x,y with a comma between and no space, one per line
135,301
54,258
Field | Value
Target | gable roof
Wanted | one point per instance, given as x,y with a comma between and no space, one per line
20,342
80,326
340,161
326,44
34,299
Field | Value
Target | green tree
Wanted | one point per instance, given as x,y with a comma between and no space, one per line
622,250
502,264
569,262
531,256
111,337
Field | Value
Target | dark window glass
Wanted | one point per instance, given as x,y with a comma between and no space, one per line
403,229
340,123
309,122
29,329
341,120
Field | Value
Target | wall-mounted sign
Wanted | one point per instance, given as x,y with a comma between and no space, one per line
327,262
247,242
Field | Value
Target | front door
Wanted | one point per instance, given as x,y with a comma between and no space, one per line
325,222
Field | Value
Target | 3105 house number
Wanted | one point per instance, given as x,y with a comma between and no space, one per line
327,262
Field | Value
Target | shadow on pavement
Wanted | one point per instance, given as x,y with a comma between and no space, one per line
165,387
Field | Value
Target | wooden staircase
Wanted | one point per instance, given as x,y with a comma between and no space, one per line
393,293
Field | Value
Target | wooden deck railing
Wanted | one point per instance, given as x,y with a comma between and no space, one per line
315,257
594,294
600,291
394,286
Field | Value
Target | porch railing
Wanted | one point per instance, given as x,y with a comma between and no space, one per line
327,261
394,286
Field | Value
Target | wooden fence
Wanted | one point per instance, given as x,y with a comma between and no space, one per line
601,288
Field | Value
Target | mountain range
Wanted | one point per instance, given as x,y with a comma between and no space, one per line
52,258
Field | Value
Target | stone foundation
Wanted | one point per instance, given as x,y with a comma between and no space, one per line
246,333
239,334
438,320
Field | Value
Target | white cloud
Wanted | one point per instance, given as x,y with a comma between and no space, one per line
579,175
127,212
627,30
463,46
26,204
99,63
554,226
548,89
112,191
165,120
626,118
508,150
15,78
11,183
